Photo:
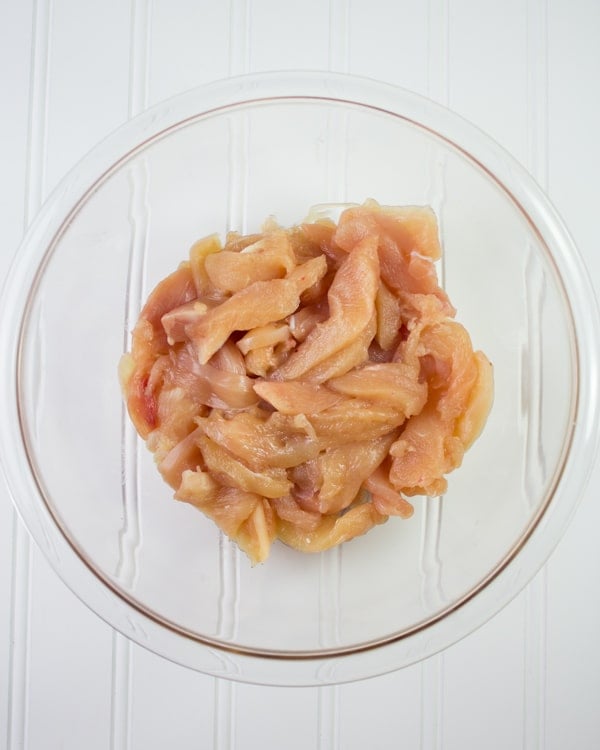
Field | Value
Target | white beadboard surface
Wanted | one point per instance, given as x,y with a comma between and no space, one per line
526,71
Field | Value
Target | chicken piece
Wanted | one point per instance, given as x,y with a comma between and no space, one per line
411,228
385,498
450,369
262,439
433,442
418,311
422,455
264,360
270,257
471,422
269,335
199,252
229,358
149,341
244,517
288,509
260,303
408,244
389,321
236,242
266,347
322,233
302,322
296,396
231,472
346,468
308,244
394,383
208,384
176,412
198,488
257,533
352,420
173,292
175,321
351,300
140,401
332,530
340,362
184,456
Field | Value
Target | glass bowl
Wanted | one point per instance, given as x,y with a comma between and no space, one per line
223,157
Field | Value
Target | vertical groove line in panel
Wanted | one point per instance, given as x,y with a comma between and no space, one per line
139,56
229,554
432,593
239,37
432,689
337,153
224,715
19,634
331,562
537,90
534,704
339,35
120,714
130,537
328,720
534,466
130,533
432,670
430,564
21,570
438,51
38,105
229,576
534,716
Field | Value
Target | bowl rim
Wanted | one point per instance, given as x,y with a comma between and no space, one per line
335,665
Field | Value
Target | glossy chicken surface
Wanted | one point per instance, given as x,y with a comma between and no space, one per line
301,384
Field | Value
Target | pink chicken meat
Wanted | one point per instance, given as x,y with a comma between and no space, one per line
301,384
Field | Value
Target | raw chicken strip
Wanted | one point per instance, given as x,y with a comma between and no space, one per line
288,509
332,530
231,472
340,362
354,419
408,244
199,252
245,517
149,341
262,439
260,303
351,300
271,257
385,498
394,383
296,396
420,456
411,228
345,468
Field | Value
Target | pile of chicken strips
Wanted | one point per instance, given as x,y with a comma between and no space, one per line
303,383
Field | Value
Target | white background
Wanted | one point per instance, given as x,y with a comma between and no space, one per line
528,72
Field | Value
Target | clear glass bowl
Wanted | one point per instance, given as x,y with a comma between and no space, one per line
225,157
